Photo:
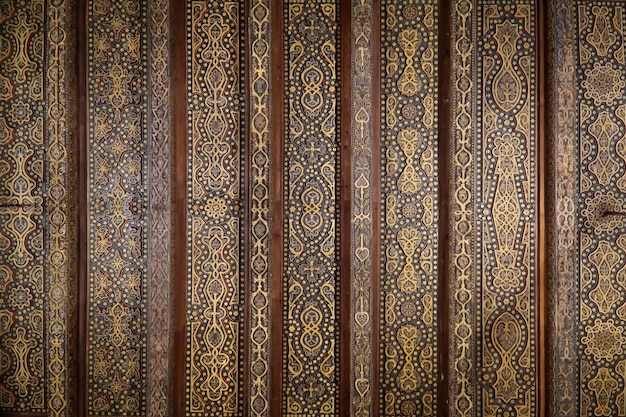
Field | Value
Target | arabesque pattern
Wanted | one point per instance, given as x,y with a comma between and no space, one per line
23,157
311,198
409,198
259,206
214,157
117,200
494,209
601,103
362,364
506,201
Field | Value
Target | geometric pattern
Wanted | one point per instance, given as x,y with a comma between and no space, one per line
259,206
494,206
601,196
311,189
394,349
117,200
561,211
409,197
214,215
35,209
362,318
22,201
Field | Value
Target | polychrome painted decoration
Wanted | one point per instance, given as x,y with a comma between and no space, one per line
214,186
493,308
409,209
311,198
601,104
117,200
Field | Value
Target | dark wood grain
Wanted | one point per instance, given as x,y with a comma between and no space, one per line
81,208
345,217
276,207
179,273
444,246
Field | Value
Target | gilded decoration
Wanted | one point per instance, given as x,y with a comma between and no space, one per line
259,206
23,191
601,192
117,199
362,213
409,196
160,209
494,224
214,158
311,193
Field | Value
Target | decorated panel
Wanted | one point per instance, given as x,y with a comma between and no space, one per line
117,201
214,268
561,210
259,206
34,209
22,195
311,198
600,75
409,213
494,209
363,174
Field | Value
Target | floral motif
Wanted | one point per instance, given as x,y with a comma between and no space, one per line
20,297
603,84
20,112
603,213
604,340
216,208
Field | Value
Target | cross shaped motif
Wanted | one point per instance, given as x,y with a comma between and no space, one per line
312,28
311,269
311,390
312,150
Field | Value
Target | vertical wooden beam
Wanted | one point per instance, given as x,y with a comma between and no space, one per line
245,239
276,206
444,175
376,207
81,205
179,132
345,230
541,294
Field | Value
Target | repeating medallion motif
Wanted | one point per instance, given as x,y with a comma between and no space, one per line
311,195
23,191
117,201
601,105
259,205
409,195
214,138
494,218
34,207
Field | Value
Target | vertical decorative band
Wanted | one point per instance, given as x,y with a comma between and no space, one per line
561,214
409,199
463,341
214,183
259,206
496,280
311,188
601,104
506,204
362,213
117,202
159,213
58,241
23,155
